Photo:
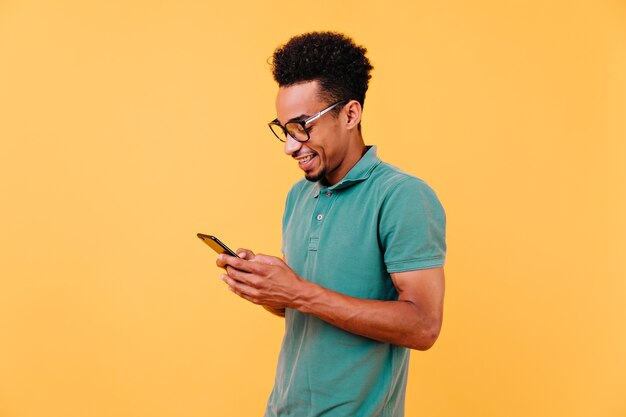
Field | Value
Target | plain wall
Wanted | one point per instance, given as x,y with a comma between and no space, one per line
128,126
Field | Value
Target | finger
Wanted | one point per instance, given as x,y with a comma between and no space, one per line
266,259
241,289
253,300
244,265
224,259
240,276
245,253
233,284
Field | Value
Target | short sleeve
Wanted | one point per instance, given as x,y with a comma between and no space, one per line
412,227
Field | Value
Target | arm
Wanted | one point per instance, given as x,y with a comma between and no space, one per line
414,320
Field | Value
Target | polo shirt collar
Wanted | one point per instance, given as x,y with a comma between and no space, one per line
359,172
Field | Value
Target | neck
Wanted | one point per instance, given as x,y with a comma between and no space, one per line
353,155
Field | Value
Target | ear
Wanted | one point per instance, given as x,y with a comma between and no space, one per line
353,114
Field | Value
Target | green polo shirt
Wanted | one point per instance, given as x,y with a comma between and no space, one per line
349,237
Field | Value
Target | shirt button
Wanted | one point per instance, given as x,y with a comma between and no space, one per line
319,217
328,194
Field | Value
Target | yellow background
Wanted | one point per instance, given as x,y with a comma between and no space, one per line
128,126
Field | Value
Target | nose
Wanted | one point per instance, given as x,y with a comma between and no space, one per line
292,145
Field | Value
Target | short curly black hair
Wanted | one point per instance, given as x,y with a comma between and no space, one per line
331,58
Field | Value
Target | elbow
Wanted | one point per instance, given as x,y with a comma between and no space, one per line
424,338
424,344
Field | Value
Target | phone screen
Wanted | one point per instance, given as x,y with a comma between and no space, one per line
216,244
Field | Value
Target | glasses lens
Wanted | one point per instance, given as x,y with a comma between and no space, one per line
297,132
278,131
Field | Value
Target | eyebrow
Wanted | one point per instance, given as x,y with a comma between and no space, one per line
298,118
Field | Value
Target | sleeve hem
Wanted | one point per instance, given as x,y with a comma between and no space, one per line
415,264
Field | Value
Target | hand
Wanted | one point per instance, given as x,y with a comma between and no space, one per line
245,254
241,252
262,279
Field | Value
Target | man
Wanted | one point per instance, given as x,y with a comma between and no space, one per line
362,279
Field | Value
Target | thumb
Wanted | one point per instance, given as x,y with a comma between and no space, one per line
246,254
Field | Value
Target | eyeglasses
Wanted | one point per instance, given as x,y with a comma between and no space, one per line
297,129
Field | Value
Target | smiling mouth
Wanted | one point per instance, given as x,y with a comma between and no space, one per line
306,159
306,162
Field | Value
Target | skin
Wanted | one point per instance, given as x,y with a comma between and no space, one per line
335,141
413,321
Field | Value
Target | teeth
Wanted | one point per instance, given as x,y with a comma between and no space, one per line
306,159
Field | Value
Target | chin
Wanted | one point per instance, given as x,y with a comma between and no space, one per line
315,176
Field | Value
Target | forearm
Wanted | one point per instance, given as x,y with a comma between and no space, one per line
399,322
414,320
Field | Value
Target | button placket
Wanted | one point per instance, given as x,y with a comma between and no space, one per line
320,215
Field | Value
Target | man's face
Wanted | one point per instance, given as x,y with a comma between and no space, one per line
322,155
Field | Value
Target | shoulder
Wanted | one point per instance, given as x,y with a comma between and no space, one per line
412,222
392,181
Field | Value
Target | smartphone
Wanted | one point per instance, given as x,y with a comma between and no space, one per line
216,244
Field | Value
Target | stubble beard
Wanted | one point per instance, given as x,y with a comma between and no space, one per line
316,177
